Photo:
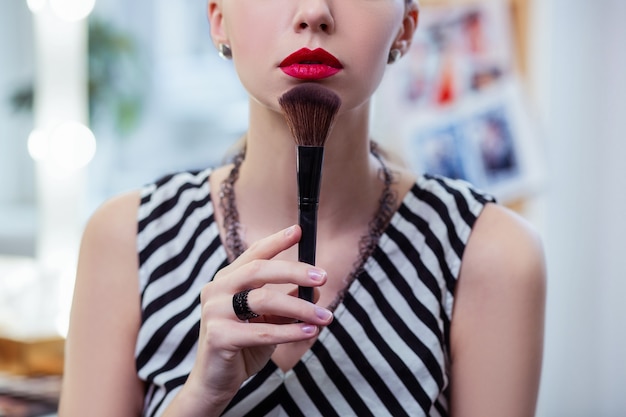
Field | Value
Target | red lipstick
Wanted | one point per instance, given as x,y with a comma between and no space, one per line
306,64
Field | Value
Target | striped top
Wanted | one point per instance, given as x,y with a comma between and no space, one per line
386,353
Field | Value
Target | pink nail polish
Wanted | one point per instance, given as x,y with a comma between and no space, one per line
289,231
316,274
322,313
308,328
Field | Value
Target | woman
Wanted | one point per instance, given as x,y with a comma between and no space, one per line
173,316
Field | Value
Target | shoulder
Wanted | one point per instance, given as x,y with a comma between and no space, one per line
116,211
109,241
504,249
118,219
502,277
113,223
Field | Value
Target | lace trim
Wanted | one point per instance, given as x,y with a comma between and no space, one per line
367,244
228,204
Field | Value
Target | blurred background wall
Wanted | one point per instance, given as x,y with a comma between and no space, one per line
579,72
17,191
577,87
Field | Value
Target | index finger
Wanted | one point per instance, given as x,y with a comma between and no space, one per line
270,246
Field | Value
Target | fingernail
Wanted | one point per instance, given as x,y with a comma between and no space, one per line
323,314
289,231
308,328
316,274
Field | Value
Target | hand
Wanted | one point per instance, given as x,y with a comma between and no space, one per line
229,350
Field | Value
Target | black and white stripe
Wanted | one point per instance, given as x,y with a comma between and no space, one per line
385,353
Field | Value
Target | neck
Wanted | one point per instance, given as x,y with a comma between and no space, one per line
268,172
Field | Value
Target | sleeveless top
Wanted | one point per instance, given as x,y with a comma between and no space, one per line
386,353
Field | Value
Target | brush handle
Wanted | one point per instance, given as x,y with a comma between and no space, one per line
309,175
307,245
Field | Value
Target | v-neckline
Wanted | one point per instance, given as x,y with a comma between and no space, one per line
302,360
306,355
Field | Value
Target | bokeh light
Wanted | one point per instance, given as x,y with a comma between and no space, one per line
66,148
36,6
72,10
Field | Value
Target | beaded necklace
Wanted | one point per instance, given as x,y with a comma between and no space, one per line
386,205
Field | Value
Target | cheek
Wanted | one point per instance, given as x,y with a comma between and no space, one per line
253,30
252,56
245,35
372,67
371,48
374,30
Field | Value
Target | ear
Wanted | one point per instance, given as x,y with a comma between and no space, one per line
216,22
409,25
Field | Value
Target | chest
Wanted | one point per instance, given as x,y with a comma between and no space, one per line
386,344
381,356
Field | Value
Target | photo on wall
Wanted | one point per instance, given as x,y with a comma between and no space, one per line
461,109
440,151
459,50
488,141
492,133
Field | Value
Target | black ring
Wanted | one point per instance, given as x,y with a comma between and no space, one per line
240,306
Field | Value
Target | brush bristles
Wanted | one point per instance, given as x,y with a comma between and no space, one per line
310,111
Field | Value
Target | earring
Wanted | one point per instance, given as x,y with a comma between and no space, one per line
394,55
224,51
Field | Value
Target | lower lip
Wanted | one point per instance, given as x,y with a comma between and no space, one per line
310,71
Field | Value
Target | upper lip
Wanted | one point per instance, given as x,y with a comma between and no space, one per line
307,56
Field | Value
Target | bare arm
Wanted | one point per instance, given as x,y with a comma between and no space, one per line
497,323
100,377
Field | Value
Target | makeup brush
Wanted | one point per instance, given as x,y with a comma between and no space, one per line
310,111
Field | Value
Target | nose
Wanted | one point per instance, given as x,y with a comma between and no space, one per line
314,15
